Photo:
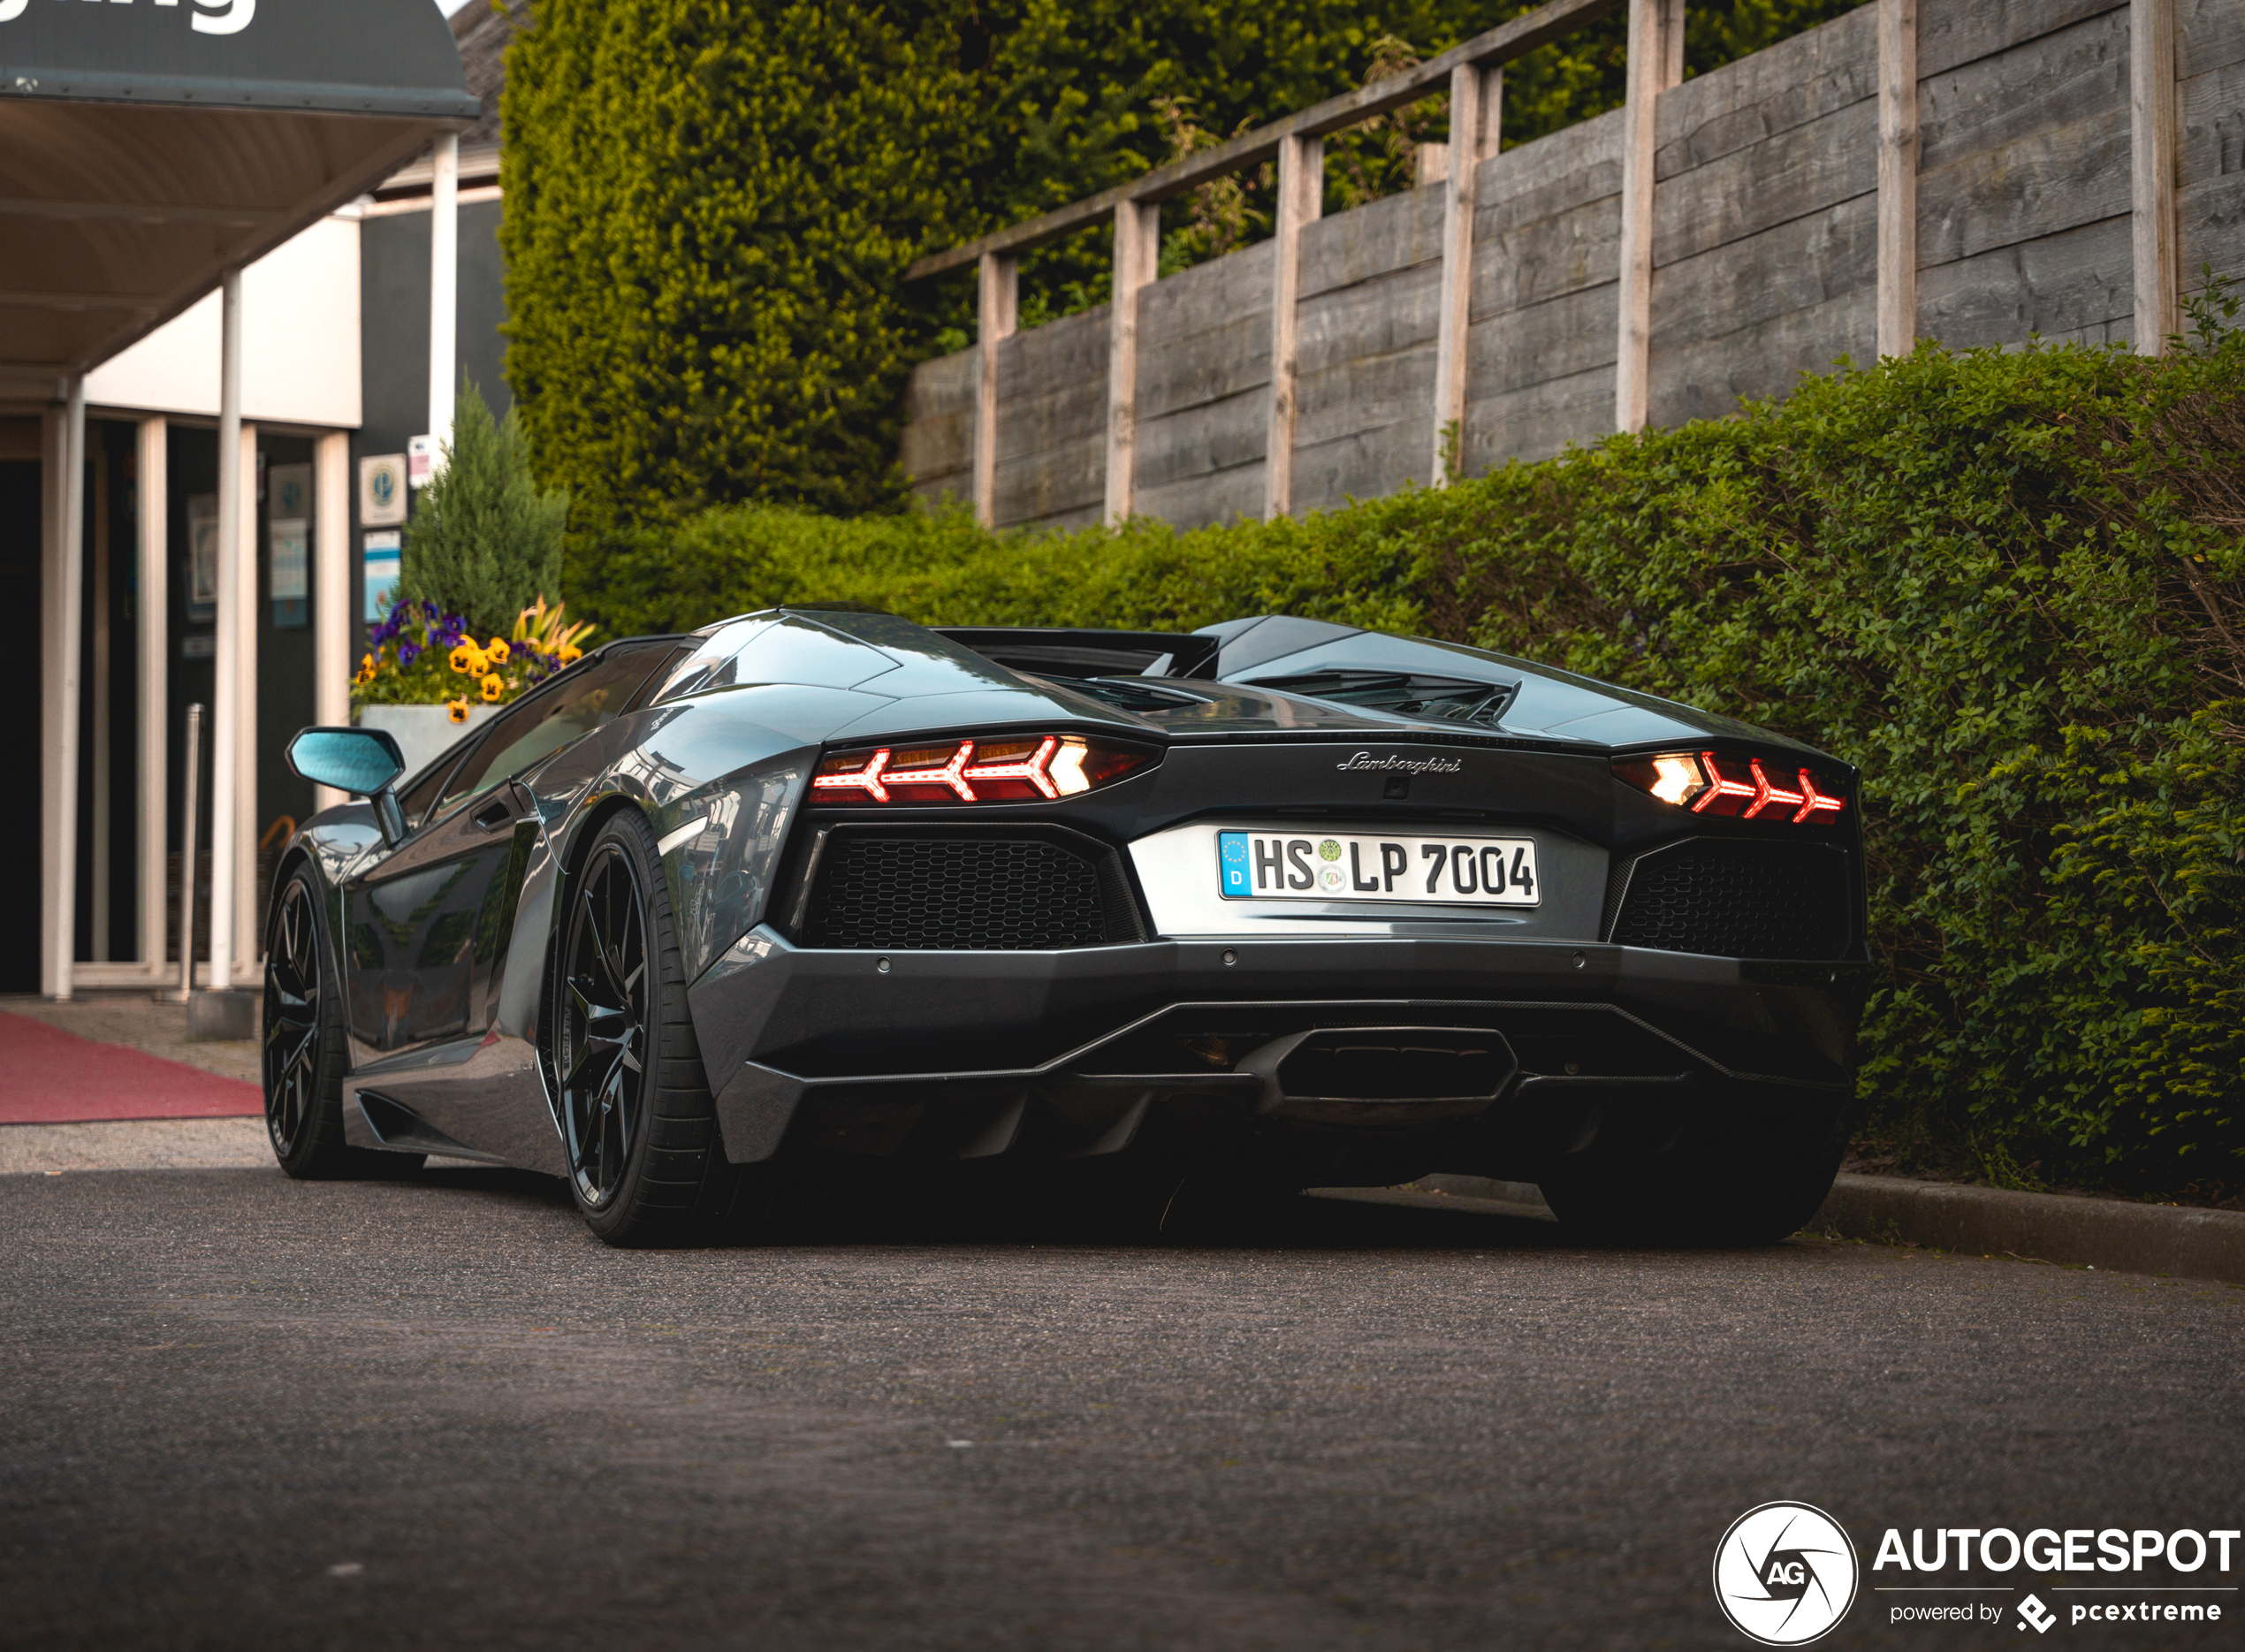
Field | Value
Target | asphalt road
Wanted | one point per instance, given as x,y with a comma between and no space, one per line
238,1411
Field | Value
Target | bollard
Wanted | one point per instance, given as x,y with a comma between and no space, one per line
187,857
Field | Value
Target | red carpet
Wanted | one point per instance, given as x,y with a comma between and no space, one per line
50,1076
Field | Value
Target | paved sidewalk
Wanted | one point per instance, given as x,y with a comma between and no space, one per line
169,1144
139,1020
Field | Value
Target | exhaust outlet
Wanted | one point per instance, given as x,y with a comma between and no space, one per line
1397,1076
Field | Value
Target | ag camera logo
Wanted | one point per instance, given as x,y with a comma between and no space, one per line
1785,1574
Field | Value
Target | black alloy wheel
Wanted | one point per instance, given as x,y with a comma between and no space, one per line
291,1055
304,1045
604,1026
646,1159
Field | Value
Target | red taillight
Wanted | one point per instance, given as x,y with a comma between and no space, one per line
1013,769
1708,784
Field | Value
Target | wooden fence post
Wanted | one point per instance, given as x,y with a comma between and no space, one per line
1897,176
996,305
1476,103
1138,255
2151,134
1301,198
1656,64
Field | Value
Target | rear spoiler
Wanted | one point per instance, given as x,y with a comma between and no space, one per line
1061,653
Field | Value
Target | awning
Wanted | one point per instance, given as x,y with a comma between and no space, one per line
147,146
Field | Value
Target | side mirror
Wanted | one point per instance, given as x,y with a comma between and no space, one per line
364,762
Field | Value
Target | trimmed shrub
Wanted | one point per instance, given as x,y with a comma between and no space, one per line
2011,586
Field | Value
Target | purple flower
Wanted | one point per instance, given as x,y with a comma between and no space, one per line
407,652
383,633
428,607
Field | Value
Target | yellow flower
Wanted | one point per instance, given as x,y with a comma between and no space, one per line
468,659
497,652
458,708
366,669
570,652
493,687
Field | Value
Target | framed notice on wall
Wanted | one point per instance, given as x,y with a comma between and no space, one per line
382,490
384,559
287,545
202,558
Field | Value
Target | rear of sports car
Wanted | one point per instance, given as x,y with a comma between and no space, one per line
1319,908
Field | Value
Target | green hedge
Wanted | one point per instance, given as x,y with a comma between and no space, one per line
2009,585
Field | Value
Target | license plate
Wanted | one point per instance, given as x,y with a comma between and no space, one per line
1352,866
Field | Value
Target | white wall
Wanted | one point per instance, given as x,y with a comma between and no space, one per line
299,342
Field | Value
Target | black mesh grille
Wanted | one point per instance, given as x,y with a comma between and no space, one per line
1737,901
967,893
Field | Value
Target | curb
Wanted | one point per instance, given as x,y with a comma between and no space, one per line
2101,1233
2106,1234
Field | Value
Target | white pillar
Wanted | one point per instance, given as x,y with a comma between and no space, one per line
997,297
2152,135
100,668
249,934
152,489
225,721
1476,101
330,591
444,288
54,461
1138,261
69,566
1301,198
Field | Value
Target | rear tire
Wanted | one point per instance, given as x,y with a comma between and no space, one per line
1698,1200
306,1048
647,1164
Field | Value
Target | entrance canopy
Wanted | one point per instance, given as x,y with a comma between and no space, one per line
149,146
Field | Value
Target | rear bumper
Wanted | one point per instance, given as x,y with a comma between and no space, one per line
1100,1049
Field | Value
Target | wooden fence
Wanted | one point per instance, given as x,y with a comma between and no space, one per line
1972,170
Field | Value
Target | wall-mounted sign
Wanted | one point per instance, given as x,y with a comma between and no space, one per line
287,545
425,459
382,490
290,488
202,558
384,557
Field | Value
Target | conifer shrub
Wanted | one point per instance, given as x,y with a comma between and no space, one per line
485,542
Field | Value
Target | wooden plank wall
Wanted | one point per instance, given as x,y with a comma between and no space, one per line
2023,202
1204,383
2210,74
1539,337
1765,222
1765,260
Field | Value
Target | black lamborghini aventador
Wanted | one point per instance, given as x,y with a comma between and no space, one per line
1281,901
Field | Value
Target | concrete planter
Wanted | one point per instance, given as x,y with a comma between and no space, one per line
422,732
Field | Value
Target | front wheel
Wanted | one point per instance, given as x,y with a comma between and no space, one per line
646,1162
305,1048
